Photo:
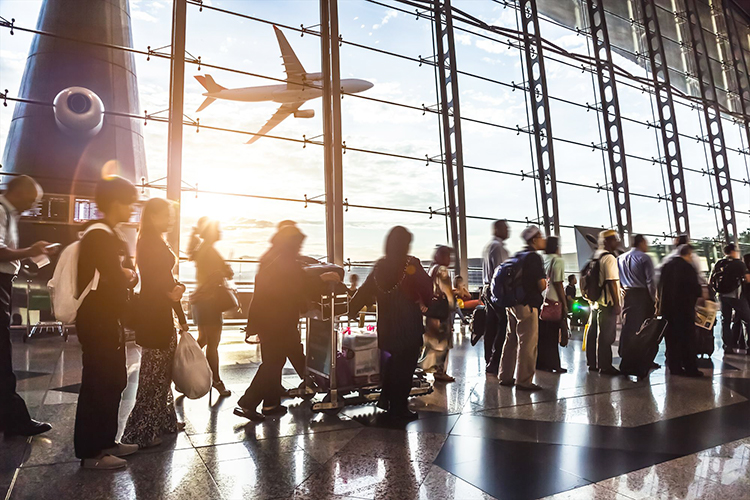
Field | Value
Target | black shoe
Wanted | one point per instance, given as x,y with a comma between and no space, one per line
274,411
610,371
30,428
403,415
561,370
508,383
655,366
593,369
251,415
383,404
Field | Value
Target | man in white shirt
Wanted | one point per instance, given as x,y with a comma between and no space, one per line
494,254
21,194
603,322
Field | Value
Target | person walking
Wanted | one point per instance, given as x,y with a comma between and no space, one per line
21,194
494,254
553,322
400,287
639,289
602,329
210,273
679,291
104,259
727,278
439,330
153,414
522,335
274,316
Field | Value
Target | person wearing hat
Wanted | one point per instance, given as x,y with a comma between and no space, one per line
604,312
282,290
522,336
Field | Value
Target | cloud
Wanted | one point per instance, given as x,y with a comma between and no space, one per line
462,38
490,46
142,16
388,16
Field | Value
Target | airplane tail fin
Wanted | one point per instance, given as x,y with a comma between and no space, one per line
209,84
205,104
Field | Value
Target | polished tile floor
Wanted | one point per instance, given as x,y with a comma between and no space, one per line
584,436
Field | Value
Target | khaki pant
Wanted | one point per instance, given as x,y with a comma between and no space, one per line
521,342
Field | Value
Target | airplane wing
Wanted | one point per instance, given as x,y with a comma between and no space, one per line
294,71
282,113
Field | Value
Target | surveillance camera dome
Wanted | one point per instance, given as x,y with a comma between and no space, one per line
79,112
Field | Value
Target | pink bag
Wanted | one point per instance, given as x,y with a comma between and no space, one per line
551,311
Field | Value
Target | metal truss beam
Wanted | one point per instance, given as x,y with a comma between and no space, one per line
712,115
605,74
451,120
540,112
667,119
739,63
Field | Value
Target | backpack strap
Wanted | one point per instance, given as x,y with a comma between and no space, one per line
94,283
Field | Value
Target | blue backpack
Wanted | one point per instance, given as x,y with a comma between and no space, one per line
506,289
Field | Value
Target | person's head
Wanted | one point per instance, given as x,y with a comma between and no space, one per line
640,243
553,245
23,192
354,279
285,223
288,240
681,239
500,229
686,252
534,238
114,197
732,251
157,217
458,281
443,255
572,279
397,243
208,229
609,240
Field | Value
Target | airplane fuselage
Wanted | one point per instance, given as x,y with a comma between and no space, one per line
285,94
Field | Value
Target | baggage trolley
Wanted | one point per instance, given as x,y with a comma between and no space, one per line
323,363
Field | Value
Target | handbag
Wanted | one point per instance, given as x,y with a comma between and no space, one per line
218,294
551,311
439,308
191,372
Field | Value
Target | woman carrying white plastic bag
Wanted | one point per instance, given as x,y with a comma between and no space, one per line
191,373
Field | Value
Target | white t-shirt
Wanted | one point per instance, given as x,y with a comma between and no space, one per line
554,266
608,271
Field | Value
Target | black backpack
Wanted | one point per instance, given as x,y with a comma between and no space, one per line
722,281
590,288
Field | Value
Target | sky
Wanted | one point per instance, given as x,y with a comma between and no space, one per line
220,161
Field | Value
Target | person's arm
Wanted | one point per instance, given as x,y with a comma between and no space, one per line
649,272
9,254
365,296
105,254
423,282
614,289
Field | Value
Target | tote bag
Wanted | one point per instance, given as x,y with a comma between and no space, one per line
191,373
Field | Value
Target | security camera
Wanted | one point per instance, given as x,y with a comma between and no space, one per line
79,112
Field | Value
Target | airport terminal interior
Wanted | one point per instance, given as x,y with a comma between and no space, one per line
475,124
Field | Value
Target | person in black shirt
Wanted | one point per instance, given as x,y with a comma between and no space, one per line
104,257
570,291
523,329
733,273
678,294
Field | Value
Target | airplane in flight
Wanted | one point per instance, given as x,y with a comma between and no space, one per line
291,95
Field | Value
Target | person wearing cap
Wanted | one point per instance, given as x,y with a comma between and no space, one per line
639,289
522,335
602,329
494,254
679,292
282,290
732,270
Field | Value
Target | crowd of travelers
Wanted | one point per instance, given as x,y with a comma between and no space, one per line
524,303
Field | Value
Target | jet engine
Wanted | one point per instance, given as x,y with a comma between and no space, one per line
79,112
304,113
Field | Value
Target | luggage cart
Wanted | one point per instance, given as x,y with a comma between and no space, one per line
324,358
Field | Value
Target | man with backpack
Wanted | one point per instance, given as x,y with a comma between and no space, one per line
726,279
494,254
518,284
21,194
600,286
104,276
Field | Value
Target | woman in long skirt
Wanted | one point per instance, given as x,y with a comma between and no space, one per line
153,414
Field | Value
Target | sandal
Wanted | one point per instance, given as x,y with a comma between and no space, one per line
223,391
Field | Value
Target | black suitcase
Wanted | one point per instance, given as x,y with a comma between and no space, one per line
643,348
704,341
477,323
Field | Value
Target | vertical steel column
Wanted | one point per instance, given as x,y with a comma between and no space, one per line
451,115
537,77
712,114
325,61
605,74
739,63
667,119
176,110
338,181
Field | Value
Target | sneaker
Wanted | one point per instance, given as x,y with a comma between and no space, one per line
106,462
530,387
121,450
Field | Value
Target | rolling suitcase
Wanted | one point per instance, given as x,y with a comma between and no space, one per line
477,324
643,347
704,341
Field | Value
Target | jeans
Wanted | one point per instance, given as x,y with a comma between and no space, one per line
730,332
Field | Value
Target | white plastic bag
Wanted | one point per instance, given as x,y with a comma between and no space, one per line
191,373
